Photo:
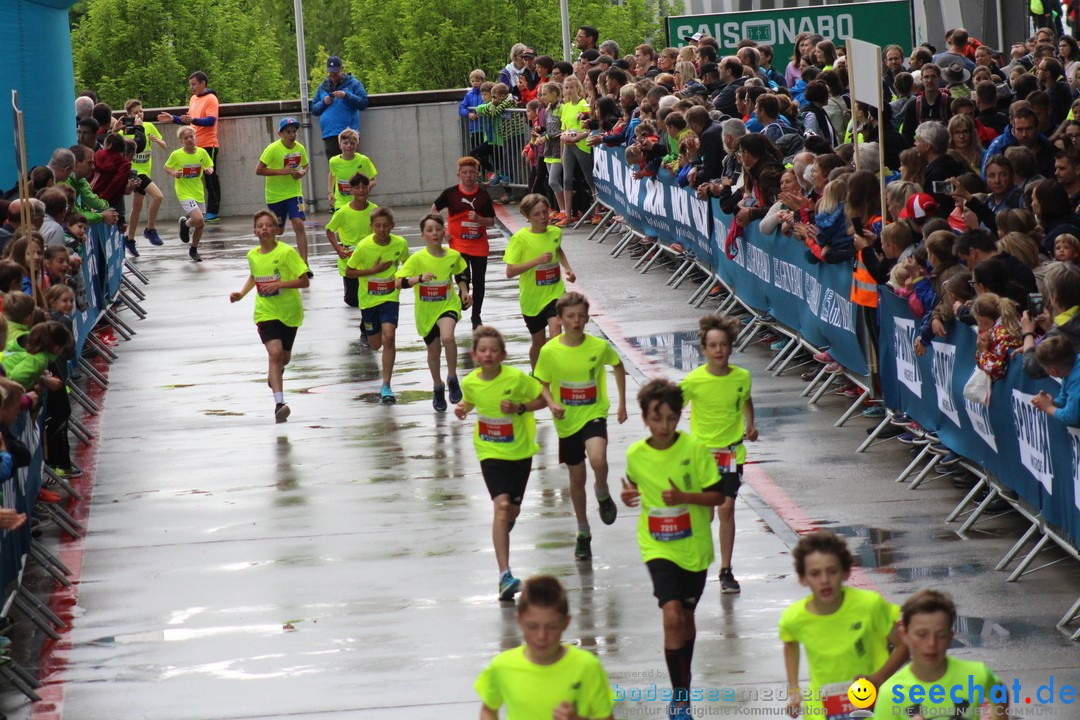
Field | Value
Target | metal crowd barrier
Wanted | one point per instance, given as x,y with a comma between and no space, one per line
498,144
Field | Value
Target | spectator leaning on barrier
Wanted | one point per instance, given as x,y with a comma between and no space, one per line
90,205
1061,316
338,102
1059,360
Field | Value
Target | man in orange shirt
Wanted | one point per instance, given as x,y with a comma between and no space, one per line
202,114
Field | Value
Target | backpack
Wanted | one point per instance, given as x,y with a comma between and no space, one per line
791,143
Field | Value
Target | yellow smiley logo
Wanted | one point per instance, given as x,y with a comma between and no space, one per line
862,693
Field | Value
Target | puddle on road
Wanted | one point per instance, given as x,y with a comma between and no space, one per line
222,413
872,547
679,350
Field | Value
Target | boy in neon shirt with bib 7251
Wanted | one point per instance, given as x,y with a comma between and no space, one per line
373,264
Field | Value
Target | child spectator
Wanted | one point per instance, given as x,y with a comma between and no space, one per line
536,257
350,224
473,99
943,265
75,228
1058,360
44,343
576,152
543,678
343,169
901,281
18,312
1066,248
113,180
56,267
482,150
673,527
845,631
277,274
495,131
438,275
373,263
642,152
529,152
829,239
504,437
61,302
999,333
283,163
26,252
11,275
551,95
187,165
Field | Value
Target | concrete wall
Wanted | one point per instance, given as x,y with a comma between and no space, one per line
414,147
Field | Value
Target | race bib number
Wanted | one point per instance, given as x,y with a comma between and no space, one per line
496,429
292,161
471,230
344,187
548,274
192,171
578,393
261,282
434,291
141,158
835,699
669,523
380,286
725,460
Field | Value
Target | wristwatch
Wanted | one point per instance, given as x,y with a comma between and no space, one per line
521,409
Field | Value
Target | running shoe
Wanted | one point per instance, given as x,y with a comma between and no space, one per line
912,439
598,218
193,253
874,411
608,510
496,180
212,218
281,411
950,459
438,401
185,233
834,368
508,587
48,496
583,547
716,291
728,584
778,345
823,357
809,375
564,221
151,234
455,389
386,396
900,419
131,247
488,178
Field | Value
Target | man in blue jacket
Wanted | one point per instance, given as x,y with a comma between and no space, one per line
338,103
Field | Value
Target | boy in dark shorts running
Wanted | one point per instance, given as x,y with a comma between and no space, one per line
721,417
572,368
504,437
277,274
535,256
674,479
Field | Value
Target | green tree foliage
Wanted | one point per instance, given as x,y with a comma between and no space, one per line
402,45
147,48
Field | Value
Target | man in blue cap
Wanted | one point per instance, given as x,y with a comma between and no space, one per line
283,163
338,103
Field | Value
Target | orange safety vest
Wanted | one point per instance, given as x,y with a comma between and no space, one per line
863,285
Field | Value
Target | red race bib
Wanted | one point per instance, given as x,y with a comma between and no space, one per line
578,393
192,171
495,429
344,187
548,274
725,460
380,286
669,523
434,291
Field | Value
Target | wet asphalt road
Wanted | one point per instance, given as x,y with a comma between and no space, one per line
340,565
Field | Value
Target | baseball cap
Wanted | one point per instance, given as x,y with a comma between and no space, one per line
919,207
529,52
697,36
288,122
334,63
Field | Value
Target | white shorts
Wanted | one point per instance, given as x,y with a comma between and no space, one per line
188,205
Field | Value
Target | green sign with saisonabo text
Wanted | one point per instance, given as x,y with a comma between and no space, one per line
880,23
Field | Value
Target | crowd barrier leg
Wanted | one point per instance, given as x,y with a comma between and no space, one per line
702,292
680,273
40,620
64,521
610,229
1017,547
84,400
62,482
135,289
922,476
1068,617
810,386
822,390
728,303
623,242
607,216
19,681
865,445
1022,568
40,607
778,358
587,215
859,402
978,511
647,257
658,252
122,329
52,564
968,499
131,305
96,345
913,464
26,676
81,432
134,269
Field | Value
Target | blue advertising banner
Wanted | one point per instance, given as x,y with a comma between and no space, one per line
771,273
609,176
1029,451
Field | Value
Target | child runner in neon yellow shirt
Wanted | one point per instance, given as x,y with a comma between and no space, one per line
536,257
504,437
283,163
934,685
543,678
277,274
845,631
141,164
187,164
571,367
674,479
721,417
373,264
437,274
344,166
350,224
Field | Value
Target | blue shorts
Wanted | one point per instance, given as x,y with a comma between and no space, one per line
288,210
373,318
